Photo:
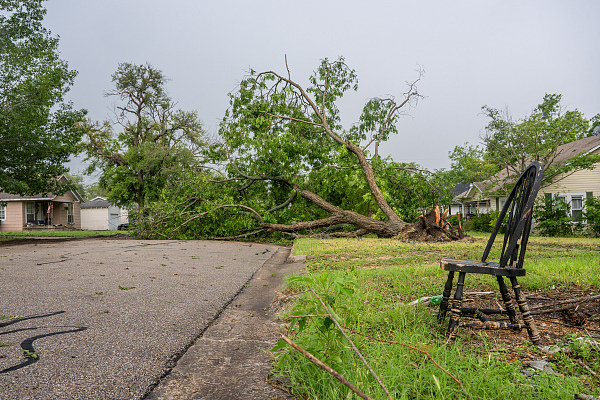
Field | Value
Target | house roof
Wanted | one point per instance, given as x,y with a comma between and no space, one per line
460,188
563,153
41,196
469,190
570,150
16,197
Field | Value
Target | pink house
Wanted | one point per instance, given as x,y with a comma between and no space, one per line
43,211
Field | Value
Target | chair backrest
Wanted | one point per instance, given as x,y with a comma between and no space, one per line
518,209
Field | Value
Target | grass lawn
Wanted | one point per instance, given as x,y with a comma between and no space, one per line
51,233
368,283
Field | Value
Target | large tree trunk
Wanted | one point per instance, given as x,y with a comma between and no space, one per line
430,227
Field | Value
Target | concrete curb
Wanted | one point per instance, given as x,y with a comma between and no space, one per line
231,359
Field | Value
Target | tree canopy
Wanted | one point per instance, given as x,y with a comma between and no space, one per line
292,167
469,164
39,131
513,144
155,139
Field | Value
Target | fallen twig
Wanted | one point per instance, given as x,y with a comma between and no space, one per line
307,315
352,344
577,300
551,310
326,367
582,396
538,298
588,369
563,324
593,341
277,385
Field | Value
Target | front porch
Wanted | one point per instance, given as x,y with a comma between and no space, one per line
470,208
49,228
48,214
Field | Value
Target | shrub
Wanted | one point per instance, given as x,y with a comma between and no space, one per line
482,222
553,217
453,220
592,214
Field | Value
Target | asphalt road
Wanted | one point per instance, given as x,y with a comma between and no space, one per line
107,318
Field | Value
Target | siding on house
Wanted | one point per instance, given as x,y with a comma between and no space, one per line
15,215
77,215
16,209
579,182
584,183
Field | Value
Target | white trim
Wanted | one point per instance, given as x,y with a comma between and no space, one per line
592,150
35,199
569,200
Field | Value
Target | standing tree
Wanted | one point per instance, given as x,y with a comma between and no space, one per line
469,164
286,143
156,141
514,144
38,130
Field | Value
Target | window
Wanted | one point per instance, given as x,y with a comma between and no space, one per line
2,211
70,213
30,212
501,203
576,203
576,207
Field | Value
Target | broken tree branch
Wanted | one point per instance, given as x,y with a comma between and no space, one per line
352,344
326,367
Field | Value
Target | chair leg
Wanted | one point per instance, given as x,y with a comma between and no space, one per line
456,306
524,308
446,296
510,309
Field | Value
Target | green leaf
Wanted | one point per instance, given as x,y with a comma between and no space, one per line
30,354
279,345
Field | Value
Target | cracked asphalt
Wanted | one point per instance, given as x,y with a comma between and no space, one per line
107,319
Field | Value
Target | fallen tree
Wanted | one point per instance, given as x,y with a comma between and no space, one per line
286,149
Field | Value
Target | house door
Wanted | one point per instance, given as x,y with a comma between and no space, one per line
113,221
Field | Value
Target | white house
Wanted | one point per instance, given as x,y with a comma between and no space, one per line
469,200
99,214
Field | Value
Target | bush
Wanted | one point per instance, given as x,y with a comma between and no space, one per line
482,222
553,218
453,220
592,214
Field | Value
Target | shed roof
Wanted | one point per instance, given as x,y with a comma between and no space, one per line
96,203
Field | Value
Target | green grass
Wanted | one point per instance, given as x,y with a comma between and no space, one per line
53,233
388,275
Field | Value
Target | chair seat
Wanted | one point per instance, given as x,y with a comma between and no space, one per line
479,267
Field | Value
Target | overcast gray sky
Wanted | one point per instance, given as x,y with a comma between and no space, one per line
474,53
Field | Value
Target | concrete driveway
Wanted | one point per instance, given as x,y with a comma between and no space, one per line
107,318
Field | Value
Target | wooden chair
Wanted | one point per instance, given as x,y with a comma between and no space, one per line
517,210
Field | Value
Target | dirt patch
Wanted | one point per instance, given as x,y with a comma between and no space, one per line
553,326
